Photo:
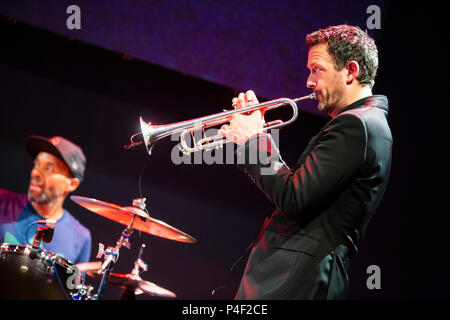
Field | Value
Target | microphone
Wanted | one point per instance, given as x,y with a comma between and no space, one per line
51,223
44,233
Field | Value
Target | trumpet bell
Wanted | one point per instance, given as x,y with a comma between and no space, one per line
148,134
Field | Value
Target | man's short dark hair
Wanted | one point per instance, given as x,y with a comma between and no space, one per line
348,43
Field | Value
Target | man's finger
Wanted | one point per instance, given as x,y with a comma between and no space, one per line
251,97
223,130
234,102
232,135
241,100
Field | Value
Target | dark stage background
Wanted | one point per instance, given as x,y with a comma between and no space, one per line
62,83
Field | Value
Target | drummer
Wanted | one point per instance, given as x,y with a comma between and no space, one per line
58,170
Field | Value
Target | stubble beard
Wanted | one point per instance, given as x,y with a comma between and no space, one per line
38,198
328,103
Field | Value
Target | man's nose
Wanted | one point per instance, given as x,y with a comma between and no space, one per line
310,83
36,173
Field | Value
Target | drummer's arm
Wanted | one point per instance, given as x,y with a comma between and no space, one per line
11,205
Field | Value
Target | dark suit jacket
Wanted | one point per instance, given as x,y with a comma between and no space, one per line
323,205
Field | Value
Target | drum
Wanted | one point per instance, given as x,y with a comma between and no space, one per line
26,272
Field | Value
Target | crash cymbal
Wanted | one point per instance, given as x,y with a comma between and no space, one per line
135,283
143,222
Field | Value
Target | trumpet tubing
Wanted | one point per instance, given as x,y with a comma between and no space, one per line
152,133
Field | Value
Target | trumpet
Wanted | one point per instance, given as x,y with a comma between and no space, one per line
152,133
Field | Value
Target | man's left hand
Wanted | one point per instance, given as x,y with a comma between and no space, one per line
242,126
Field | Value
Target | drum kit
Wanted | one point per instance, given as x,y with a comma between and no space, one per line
29,272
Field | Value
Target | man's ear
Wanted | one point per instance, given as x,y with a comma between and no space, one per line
73,184
352,68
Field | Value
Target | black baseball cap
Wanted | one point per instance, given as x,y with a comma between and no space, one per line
63,149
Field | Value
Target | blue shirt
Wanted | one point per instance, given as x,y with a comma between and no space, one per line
71,239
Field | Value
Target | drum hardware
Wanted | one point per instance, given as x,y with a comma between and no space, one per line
40,235
51,269
131,284
139,263
128,293
135,218
23,269
44,232
111,255
29,272
83,292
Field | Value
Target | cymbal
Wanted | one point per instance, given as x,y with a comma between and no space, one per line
143,222
135,283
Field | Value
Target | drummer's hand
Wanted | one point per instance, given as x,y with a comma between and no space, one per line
242,126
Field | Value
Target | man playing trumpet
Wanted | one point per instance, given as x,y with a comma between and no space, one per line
324,203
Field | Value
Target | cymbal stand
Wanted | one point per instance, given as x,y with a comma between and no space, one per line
139,263
111,255
129,293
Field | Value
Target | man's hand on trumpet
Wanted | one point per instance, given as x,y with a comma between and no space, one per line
242,126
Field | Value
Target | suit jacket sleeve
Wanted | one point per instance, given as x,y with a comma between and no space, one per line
329,166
